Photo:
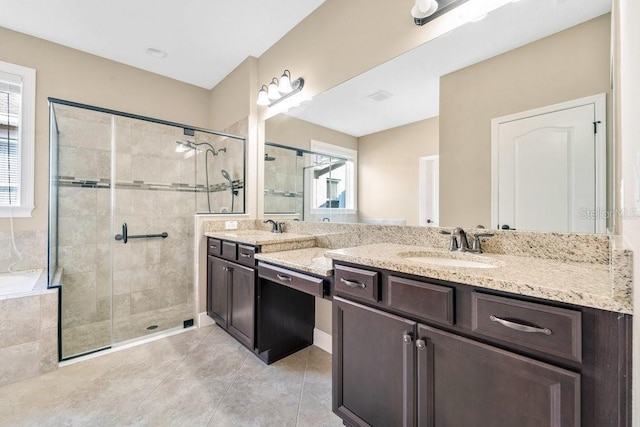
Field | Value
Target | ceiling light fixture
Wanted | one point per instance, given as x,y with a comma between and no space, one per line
156,53
422,10
277,91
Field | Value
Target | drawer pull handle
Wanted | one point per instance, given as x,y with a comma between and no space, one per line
353,284
213,246
283,278
421,344
244,255
520,327
406,338
227,268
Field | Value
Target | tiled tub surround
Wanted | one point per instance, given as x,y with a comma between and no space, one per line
582,269
32,246
28,334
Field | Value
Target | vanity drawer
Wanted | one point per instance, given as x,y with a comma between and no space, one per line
551,330
302,282
246,255
214,246
229,251
357,282
420,300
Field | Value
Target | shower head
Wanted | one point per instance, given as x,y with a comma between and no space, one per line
268,158
226,175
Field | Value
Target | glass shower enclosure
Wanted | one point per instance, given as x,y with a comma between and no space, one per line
124,192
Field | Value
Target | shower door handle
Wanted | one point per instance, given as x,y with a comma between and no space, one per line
123,236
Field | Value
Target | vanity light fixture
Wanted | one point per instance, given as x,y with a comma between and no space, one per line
280,90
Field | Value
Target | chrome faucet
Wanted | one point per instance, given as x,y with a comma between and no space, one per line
276,227
460,243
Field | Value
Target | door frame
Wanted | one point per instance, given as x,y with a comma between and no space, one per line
600,103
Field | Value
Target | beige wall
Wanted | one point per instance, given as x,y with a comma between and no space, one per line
230,100
568,65
76,76
388,169
293,132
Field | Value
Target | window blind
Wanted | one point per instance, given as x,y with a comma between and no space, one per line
10,99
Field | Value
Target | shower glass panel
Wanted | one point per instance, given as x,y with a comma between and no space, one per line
124,194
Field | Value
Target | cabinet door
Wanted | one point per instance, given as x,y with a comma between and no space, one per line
373,366
217,290
464,383
242,304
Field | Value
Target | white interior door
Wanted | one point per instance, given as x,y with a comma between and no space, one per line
548,171
429,191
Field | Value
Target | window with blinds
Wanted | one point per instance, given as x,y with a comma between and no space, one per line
17,139
10,123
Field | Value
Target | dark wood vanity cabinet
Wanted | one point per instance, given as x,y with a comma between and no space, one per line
231,291
456,364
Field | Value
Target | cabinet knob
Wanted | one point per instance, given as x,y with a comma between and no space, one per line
407,338
421,344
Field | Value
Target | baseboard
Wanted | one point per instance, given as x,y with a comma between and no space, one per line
322,339
204,320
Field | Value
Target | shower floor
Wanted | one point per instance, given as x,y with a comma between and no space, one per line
85,338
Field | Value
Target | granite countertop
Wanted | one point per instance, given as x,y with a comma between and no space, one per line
577,283
269,242
311,260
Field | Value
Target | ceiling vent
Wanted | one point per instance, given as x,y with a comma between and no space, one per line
381,95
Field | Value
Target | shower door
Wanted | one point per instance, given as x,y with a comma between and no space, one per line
153,202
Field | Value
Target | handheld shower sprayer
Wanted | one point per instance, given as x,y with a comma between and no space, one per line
234,193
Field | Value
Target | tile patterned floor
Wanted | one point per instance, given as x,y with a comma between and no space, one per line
202,377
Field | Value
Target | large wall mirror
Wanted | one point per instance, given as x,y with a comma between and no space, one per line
435,105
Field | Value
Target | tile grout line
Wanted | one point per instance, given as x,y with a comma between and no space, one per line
304,378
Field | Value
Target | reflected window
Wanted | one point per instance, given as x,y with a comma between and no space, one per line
334,177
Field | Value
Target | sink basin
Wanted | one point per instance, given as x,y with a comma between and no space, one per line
451,259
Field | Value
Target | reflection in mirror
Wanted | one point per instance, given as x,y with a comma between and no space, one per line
306,185
440,99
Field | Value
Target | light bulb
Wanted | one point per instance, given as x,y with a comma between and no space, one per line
285,82
263,99
424,8
273,93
